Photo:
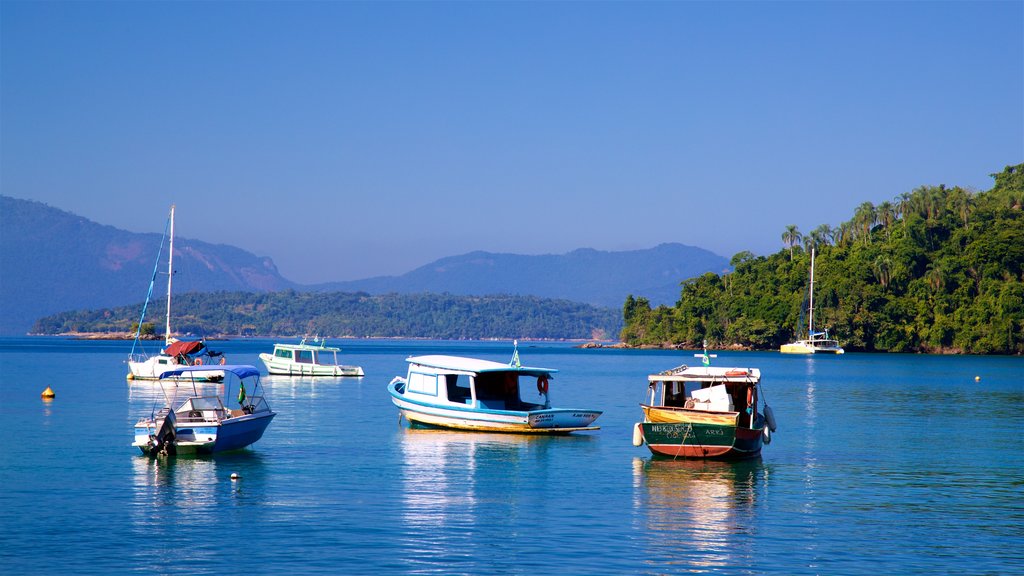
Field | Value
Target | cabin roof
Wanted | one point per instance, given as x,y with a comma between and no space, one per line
462,364
240,370
706,374
307,347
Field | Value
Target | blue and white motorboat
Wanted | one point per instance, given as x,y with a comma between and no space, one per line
199,420
482,395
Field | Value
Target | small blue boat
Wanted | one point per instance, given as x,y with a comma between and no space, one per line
481,395
199,421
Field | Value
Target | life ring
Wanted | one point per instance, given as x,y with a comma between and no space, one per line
199,361
542,384
223,360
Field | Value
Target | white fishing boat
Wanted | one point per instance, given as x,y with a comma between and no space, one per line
304,359
176,353
816,342
482,395
196,419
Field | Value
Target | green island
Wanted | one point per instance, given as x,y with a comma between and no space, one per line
936,270
345,314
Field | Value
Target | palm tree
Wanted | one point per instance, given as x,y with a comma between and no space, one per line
886,215
820,236
903,204
883,270
864,219
791,237
961,202
841,234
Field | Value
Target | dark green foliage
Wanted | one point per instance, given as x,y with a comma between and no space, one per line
938,269
338,314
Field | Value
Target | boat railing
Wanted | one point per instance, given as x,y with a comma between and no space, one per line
677,370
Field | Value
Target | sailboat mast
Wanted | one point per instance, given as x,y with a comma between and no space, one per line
170,275
810,312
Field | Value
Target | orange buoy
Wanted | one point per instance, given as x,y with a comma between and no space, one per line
48,394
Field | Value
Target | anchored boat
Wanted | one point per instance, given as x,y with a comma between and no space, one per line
816,342
199,420
482,395
307,360
704,412
176,352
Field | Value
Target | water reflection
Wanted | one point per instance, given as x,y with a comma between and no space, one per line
306,387
191,498
697,515
455,494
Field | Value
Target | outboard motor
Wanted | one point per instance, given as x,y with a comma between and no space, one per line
164,442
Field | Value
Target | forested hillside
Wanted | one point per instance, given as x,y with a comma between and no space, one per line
935,270
291,313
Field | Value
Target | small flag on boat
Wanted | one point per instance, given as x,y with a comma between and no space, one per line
241,393
515,355
705,359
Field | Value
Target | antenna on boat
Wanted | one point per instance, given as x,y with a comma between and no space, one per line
515,355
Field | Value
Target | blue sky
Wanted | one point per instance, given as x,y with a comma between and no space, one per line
350,139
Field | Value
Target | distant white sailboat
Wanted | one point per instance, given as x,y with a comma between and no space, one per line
176,353
816,342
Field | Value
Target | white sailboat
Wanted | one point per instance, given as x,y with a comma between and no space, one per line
816,342
176,353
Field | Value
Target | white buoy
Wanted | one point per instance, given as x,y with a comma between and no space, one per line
638,434
769,417
977,378
235,476
767,433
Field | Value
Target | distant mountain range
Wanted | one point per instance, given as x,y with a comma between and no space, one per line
589,276
53,261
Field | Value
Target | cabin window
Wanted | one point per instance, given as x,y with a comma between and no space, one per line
457,393
304,356
675,394
286,354
422,383
161,361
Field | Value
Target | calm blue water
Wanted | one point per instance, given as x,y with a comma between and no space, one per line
882,464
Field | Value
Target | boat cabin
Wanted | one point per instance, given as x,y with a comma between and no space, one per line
707,390
478,384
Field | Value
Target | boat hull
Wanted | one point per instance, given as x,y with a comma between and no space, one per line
810,347
697,440
544,421
284,368
154,366
208,437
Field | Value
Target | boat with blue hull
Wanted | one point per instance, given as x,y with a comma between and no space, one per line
481,395
199,421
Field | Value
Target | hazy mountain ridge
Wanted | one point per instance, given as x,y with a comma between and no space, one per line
585,275
54,261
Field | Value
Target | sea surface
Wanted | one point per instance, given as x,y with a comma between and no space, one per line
882,464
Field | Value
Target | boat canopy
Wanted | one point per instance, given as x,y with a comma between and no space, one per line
186,347
240,370
473,365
